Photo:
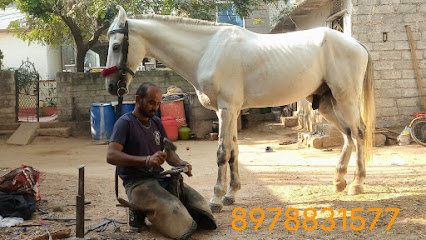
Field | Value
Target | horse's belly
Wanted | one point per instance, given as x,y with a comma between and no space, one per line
281,88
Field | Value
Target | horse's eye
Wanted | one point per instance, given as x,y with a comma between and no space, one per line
115,47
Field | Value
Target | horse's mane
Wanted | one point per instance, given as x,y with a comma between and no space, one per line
183,20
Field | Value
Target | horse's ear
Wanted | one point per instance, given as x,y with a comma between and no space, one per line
122,16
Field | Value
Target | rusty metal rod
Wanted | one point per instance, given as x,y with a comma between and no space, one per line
79,231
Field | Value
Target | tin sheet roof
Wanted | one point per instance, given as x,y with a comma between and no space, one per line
302,10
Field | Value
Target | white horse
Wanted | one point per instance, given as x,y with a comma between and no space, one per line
232,68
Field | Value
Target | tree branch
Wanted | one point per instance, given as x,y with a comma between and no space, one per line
96,35
78,38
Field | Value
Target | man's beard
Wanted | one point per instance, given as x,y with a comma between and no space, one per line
148,114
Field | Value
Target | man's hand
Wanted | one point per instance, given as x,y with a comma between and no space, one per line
189,173
156,160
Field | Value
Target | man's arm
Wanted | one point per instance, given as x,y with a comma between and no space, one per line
117,157
174,160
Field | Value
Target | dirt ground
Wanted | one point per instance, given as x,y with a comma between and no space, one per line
288,177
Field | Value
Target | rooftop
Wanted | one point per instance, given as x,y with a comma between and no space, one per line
302,10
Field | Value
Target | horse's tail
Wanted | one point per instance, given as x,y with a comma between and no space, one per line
368,110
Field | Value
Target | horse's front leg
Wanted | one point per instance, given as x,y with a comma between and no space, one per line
226,151
235,183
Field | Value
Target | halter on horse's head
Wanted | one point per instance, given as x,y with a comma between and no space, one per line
116,73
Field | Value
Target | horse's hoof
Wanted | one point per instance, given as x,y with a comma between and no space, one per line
228,200
339,186
216,208
355,189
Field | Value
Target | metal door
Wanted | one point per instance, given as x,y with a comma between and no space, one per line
27,94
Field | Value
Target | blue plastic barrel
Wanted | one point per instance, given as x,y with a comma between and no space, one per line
125,108
102,120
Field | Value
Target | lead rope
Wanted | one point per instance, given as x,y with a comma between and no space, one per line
119,106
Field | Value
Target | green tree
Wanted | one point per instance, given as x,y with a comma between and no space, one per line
82,22
4,3
55,22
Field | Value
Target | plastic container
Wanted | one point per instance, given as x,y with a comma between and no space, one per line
125,108
170,125
102,120
175,109
184,132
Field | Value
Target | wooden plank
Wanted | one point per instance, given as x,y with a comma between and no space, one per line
416,65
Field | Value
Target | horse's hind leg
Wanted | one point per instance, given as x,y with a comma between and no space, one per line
327,109
351,113
227,149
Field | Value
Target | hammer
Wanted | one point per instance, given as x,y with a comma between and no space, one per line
168,145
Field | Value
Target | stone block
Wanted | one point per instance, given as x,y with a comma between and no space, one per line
316,142
289,121
407,102
420,45
422,8
411,1
390,1
386,112
57,132
402,45
408,74
384,9
379,139
213,136
385,102
410,92
391,74
383,65
388,121
403,64
24,134
382,84
406,83
388,55
407,8
383,46
420,54
375,55
330,141
414,17
388,93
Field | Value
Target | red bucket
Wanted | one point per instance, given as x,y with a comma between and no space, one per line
170,125
174,109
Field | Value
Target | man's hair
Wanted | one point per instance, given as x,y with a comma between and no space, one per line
144,88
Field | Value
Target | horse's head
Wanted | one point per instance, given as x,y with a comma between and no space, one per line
123,56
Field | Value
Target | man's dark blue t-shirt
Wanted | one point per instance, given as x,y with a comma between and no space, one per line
138,139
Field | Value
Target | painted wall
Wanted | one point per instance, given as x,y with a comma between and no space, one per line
47,61
263,26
